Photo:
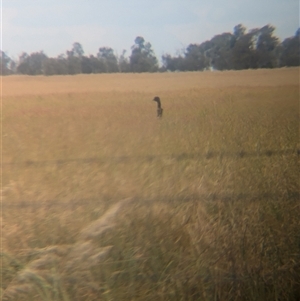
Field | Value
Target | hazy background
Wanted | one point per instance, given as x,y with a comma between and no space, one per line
53,26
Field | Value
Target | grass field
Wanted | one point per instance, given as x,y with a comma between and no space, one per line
103,201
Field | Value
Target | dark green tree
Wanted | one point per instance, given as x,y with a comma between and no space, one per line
77,50
51,66
142,57
86,65
239,31
96,65
289,51
123,62
220,52
265,47
174,63
196,58
74,58
7,65
244,55
58,65
108,59
32,64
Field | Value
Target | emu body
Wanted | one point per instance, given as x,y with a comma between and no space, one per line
159,108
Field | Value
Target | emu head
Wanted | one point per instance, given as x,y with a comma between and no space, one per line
157,99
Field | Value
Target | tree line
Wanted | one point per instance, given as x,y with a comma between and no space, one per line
241,49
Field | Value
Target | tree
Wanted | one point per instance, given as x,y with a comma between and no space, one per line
108,59
257,48
77,50
220,52
142,57
289,51
86,65
239,31
123,62
265,47
7,65
173,63
244,54
32,64
74,58
196,58
96,65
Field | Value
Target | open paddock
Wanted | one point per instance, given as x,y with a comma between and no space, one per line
102,200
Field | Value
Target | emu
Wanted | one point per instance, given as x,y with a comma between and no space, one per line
159,108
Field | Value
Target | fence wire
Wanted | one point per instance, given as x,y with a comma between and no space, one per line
178,157
230,197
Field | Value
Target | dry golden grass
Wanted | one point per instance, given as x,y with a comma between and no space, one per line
147,83
210,192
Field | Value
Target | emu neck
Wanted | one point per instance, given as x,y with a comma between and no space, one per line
158,104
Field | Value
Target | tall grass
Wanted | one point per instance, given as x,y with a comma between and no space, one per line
103,201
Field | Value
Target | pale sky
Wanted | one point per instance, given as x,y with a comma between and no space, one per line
169,25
